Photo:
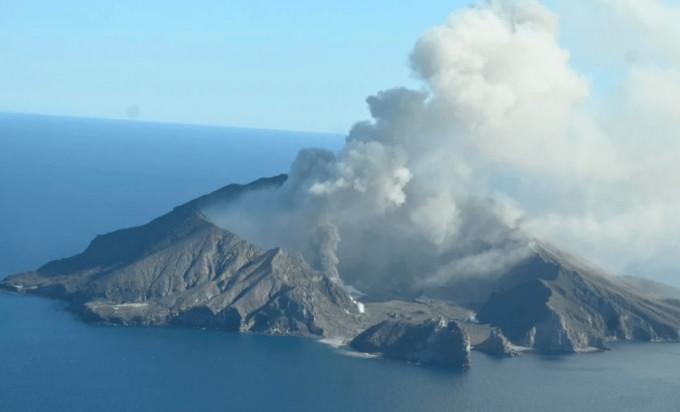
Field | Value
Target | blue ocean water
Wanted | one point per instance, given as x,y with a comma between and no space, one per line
64,180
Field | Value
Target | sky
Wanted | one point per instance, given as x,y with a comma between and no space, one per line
294,65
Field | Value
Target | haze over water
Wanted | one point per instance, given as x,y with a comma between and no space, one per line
65,180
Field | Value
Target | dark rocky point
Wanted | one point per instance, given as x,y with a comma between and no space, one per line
497,345
436,341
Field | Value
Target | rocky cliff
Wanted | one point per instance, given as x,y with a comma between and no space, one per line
437,341
497,345
557,303
181,269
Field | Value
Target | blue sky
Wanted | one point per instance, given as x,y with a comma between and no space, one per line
296,65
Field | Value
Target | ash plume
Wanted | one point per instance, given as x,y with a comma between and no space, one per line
505,141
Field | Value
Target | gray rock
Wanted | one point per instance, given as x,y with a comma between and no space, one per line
497,345
181,269
554,302
654,289
435,341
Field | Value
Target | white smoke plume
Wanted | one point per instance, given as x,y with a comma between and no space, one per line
324,245
505,139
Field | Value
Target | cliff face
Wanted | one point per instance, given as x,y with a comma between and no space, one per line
553,302
497,345
436,341
181,269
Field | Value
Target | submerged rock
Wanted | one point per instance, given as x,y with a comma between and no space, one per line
435,341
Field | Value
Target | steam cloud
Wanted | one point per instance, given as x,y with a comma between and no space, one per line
505,141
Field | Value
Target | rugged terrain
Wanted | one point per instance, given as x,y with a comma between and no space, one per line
557,303
437,341
181,269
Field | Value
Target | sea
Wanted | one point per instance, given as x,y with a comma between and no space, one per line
64,180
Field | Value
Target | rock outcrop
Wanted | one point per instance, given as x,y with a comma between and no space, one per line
497,345
436,341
